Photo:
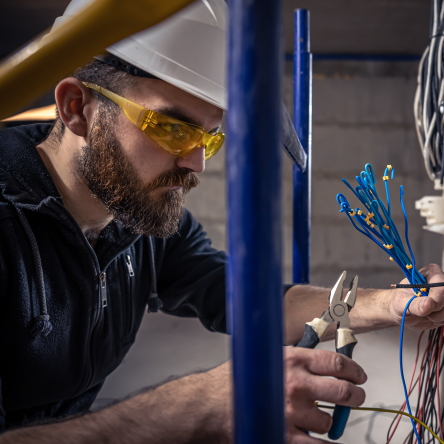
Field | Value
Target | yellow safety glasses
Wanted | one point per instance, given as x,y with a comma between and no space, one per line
174,136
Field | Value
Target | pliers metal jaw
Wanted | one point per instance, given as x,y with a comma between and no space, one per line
338,312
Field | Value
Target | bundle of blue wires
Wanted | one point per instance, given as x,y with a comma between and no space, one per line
375,222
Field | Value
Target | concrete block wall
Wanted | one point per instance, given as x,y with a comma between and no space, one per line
360,120
362,112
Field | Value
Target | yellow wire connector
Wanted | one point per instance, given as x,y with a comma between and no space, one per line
385,178
353,213
360,213
368,217
393,260
409,266
389,167
386,227
389,247
423,289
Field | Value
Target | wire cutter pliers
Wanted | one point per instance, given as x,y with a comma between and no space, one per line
338,311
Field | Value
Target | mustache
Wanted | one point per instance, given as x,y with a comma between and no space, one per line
180,177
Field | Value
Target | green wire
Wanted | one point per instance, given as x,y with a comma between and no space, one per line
396,412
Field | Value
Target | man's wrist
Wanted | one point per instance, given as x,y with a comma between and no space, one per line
219,385
372,310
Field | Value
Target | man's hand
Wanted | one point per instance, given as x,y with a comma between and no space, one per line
305,383
374,309
424,313
196,408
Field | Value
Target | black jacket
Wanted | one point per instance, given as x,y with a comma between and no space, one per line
58,374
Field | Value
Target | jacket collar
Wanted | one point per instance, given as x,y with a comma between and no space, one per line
26,183
24,178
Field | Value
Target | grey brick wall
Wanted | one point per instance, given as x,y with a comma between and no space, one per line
357,119
362,113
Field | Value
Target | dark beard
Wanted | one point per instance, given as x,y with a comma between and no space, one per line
103,167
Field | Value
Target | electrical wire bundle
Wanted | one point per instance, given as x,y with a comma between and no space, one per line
375,221
427,385
429,97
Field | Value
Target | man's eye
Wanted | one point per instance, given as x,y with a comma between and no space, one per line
172,127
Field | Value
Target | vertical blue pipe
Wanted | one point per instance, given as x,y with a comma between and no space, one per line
302,116
254,222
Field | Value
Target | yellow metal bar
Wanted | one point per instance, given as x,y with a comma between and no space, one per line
30,72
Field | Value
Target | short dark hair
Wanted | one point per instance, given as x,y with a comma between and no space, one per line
100,74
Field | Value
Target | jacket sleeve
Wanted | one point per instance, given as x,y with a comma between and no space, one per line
191,280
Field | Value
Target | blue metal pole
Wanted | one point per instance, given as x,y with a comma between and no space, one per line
302,117
254,222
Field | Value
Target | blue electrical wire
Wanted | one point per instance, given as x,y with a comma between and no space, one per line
378,226
401,366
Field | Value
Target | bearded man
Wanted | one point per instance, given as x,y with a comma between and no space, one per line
93,230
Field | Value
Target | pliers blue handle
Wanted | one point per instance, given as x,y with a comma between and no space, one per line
338,311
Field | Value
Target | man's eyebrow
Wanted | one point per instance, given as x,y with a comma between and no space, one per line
177,113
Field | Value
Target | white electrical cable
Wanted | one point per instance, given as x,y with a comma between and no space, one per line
429,68
428,104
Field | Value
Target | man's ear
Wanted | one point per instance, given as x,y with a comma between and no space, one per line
76,105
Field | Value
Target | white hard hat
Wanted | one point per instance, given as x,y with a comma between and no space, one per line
188,50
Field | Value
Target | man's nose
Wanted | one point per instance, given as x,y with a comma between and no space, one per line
194,161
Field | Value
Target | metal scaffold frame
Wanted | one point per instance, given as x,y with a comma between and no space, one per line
302,118
254,221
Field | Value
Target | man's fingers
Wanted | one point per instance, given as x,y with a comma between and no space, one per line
326,363
434,274
437,294
337,391
420,306
437,318
308,417
425,306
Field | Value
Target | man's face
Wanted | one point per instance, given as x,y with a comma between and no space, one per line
142,185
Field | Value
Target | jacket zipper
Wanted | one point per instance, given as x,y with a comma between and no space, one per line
102,279
129,265
129,308
103,301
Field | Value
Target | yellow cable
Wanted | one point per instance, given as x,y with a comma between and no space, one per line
396,412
